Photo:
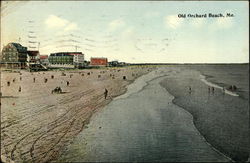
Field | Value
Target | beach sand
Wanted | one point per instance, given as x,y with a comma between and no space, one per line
36,124
221,118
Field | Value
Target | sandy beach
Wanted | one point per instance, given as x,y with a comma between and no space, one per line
36,124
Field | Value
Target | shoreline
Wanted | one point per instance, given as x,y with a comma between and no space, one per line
212,123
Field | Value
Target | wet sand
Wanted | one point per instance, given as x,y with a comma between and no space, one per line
142,125
36,124
222,119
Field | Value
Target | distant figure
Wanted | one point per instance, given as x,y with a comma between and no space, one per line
20,78
223,90
34,80
234,87
67,83
14,80
208,89
105,93
212,89
19,90
52,76
45,80
8,83
190,89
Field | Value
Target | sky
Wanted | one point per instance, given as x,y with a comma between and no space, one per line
131,31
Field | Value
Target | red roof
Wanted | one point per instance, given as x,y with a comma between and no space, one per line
43,56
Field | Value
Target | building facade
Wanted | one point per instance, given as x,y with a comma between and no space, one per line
44,59
98,62
14,55
33,56
67,58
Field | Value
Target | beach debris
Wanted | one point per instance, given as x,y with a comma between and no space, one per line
57,90
88,73
99,76
8,83
82,74
105,93
63,74
70,76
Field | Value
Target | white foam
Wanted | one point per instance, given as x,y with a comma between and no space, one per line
203,79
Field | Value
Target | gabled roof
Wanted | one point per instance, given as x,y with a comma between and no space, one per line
19,47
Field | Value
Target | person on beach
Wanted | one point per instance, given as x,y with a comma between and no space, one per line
212,89
190,89
208,89
34,80
67,83
105,93
19,90
223,90
8,83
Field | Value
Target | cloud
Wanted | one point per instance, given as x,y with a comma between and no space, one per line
128,32
224,22
115,24
71,27
173,21
55,22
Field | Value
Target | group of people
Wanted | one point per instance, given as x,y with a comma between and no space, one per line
210,89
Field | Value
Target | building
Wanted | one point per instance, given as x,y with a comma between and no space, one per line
67,58
44,60
33,56
14,55
78,59
98,62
